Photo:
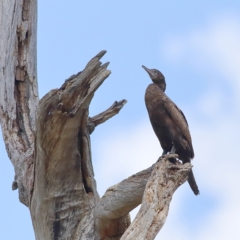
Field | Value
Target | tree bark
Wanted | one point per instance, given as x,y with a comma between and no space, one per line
18,88
48,142
163,182
65,191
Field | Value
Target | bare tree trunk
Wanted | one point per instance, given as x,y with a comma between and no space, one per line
18,88
48,142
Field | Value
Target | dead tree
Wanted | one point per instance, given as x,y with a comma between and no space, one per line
48,142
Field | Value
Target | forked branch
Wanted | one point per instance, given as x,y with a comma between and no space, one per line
153,187
163,182
65,191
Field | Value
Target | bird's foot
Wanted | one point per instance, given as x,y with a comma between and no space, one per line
173,160
173,150
164,152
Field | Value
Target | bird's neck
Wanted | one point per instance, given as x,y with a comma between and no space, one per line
162,86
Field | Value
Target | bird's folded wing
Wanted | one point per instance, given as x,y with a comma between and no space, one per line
178,117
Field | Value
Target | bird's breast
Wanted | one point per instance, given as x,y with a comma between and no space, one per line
154,102
161,121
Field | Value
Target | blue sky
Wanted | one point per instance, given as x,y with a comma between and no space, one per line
196,45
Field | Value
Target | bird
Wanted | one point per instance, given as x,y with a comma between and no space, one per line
169,123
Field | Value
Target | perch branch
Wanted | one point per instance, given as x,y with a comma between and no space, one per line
162,179
104,116
112,211
121,198
163,182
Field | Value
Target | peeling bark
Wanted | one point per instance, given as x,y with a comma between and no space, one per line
18,88
64,189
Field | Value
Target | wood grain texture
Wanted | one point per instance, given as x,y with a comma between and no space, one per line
18,88
112,211
64,189
164,180
104,116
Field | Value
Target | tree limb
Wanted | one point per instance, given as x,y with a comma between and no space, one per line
112,211
123,197
162,179
163,182
104,116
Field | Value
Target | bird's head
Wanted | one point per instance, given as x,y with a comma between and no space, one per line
157,77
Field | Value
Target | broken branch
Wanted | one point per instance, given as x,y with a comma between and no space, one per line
104,116
163,182
153,187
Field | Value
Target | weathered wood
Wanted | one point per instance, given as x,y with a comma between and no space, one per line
104,116
112,211
64,189
164,180
18,88
121,198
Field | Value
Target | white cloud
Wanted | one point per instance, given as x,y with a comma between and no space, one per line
217,45
212,103
216,142
221,44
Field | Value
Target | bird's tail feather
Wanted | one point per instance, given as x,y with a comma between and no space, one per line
192,183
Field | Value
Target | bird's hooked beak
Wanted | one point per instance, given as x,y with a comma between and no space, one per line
149,71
